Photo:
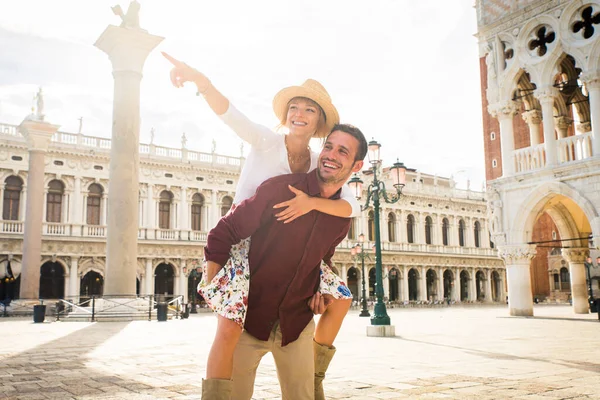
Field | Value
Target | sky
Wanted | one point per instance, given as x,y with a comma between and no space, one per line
405,72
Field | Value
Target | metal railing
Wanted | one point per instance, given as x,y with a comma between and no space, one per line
98,308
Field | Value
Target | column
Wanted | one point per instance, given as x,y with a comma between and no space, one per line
150,213
576,257
127,49
472,284
517,259
401,227
592,83
367,281
23,203
456,285
546,97
386,281
488,286
184,211
422,284
149,277
505,112
38,135
405,270
177,281
344,274
469,234
73,278
383,226
216,215
440,283
2,198
103,204
76,214
533,118
183,285
562,126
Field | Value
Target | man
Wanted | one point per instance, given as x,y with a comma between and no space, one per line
285,262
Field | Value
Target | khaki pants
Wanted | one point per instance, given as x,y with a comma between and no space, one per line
295,364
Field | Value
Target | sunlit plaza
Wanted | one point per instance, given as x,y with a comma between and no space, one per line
452,352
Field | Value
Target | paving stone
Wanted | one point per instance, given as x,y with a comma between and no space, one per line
452,353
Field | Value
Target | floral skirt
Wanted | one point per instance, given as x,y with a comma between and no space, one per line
227,293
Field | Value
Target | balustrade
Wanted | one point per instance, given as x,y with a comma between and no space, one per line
11,226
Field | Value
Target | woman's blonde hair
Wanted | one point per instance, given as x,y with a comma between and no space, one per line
322,116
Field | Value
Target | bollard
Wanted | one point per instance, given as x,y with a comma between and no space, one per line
161,312
39,313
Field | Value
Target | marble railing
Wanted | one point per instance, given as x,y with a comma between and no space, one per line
182,235
530,158
423,248
575,148
79,140
569,149
11,226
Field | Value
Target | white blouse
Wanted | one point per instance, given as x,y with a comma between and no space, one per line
267,157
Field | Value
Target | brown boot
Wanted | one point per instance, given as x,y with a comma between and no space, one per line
323,356
216,389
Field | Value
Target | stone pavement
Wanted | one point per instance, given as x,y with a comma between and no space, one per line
455,353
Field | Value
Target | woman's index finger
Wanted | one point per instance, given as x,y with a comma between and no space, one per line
172,60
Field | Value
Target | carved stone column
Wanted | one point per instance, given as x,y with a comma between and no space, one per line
546,97
38,135
73,278
423,284
533,118
405,270
576,257
488,286
592,83
127,48
518,259
505,112
562,126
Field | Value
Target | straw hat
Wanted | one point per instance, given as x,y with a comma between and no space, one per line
313,90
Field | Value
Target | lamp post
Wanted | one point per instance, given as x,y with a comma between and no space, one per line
588,266
357,252
195,273
376,190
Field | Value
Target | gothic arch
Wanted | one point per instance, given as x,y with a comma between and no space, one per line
522,224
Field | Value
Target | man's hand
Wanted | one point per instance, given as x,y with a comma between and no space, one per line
319,302
296,207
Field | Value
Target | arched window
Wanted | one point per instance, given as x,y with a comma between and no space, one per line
164,210
94,200
461,233
428,227
410,228
392,227
197,204
352,230
476,230
226,205
371,226
445,231
54,199
13,186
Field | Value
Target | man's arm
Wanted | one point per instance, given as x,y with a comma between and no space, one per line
240,224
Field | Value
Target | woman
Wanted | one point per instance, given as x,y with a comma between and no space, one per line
307,112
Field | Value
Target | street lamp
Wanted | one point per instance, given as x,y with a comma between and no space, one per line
195,273
588,266
357,252
376,190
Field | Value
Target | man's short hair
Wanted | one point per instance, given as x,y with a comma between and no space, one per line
355,133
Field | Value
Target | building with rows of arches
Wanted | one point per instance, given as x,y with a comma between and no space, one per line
435,240
540,83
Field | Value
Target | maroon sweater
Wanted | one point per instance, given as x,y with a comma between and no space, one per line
285,259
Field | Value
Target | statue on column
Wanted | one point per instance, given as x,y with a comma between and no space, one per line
39,98
80,124
152,136
492,81
214,146
183,141
131,19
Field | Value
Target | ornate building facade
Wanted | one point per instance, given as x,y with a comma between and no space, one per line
435,241
540,83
